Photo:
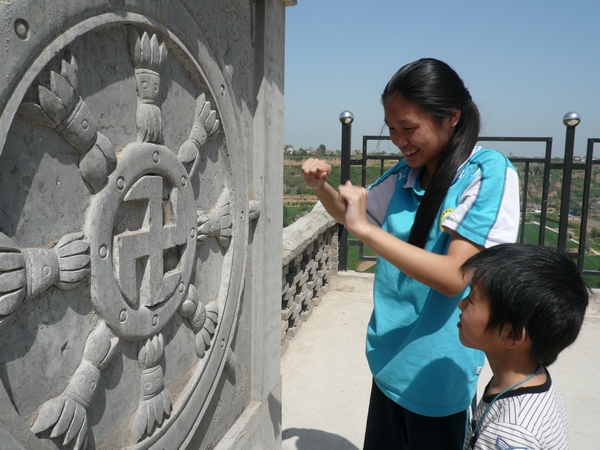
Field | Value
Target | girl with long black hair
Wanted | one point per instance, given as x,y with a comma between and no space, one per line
444,202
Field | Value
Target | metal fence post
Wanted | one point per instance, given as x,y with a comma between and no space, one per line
571,120
346,118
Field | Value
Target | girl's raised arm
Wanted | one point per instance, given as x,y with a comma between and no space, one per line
440,272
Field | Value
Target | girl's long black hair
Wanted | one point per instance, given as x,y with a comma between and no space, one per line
436,88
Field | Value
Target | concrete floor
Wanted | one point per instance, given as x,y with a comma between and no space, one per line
326,381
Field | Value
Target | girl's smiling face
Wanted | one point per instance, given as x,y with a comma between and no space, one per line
420,137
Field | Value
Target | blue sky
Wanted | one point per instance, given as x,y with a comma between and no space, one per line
526,63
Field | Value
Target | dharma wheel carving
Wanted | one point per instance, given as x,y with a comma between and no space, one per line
123,236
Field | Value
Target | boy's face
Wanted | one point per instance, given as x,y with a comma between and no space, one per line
474,319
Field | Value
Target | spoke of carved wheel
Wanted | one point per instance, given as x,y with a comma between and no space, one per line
156,400
67,413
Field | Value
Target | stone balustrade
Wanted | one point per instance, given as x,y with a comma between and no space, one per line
310,255
310,270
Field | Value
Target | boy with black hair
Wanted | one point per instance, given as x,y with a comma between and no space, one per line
527,304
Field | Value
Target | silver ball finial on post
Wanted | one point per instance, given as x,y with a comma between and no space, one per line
346,117
570,119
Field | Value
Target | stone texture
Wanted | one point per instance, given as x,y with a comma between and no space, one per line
136,223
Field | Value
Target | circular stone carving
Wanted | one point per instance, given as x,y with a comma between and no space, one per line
149,237
138,303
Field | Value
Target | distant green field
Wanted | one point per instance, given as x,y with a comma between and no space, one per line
353,258
532,231
591,262
294,181
292,213
294,185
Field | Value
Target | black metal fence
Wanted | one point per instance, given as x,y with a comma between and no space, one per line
566,166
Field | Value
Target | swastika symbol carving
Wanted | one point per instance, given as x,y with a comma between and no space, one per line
141,275
141,252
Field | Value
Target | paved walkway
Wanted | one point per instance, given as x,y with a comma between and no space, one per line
326,381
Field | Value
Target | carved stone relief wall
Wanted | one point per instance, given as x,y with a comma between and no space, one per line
124,220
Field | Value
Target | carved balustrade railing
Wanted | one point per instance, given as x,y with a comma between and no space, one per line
309,260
